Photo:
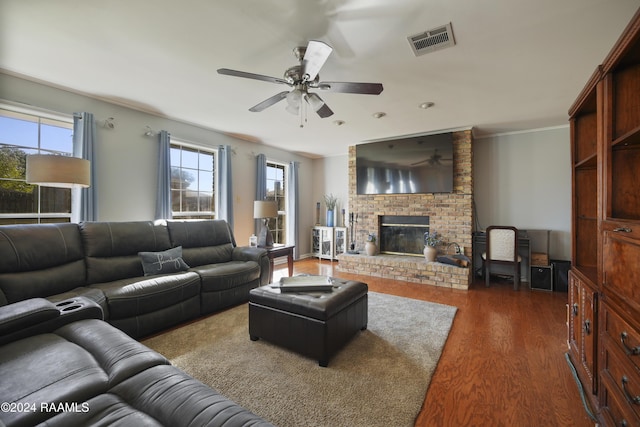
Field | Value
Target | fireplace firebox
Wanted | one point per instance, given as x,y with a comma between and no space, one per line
403,234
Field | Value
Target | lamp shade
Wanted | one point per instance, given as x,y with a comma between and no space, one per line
58,171
264,209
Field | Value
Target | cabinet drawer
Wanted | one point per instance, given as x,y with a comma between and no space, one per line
615,410
621,334
624,375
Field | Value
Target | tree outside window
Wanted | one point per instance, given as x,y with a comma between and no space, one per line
192,182
22,134
276,191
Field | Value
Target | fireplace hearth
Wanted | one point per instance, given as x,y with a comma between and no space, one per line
403,234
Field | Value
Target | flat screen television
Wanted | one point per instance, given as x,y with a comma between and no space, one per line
408,165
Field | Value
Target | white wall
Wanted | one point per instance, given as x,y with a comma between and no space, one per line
524,180
331,176
126,158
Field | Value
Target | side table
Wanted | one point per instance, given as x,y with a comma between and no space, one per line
277,251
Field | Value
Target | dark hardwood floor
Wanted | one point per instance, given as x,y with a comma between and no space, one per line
504,362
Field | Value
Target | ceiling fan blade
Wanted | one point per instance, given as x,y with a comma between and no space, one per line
318,105
236,73
269,102
350,87
314,58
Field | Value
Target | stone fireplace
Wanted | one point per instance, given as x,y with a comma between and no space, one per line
402,234
450,215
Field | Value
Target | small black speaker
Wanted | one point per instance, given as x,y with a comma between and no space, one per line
561,275
542,278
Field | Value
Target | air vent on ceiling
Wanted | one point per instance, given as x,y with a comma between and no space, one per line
435,39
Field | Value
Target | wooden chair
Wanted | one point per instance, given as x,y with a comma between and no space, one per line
502,249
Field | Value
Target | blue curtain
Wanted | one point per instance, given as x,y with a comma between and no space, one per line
85,207
163,197
293,214
225,187
261,185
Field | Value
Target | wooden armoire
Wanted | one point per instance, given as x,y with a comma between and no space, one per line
604,281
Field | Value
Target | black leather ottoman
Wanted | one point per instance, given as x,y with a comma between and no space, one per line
314,324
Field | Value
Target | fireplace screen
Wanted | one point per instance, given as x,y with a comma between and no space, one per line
403,235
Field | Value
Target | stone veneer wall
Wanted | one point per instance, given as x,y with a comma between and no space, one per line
450,214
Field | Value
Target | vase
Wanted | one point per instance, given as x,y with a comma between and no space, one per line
430,253
329,218
370,248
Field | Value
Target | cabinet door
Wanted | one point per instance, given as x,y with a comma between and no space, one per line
589,334
340,240
575,339
583,330
621,255
326,242
315,242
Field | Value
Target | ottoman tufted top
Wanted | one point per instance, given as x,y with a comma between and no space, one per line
316,305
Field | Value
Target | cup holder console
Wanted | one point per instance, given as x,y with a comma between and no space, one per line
63,303
79,307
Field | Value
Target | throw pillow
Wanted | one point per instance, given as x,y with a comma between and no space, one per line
169,261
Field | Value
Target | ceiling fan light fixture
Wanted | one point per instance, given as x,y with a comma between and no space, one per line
293,98
292,109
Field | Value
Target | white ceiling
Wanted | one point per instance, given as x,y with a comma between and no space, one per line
516,65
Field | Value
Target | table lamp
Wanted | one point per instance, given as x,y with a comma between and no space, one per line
264,209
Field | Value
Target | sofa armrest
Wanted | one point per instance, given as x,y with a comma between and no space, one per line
27,313
38,315
252,253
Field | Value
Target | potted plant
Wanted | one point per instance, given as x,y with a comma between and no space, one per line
370,247
330,202
431,240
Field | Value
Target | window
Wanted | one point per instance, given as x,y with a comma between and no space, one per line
192,182
276,191
30,132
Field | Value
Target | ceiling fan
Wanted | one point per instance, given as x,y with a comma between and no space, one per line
304,77
434,160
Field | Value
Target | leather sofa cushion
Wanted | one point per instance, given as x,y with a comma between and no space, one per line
174,398
104,410
39,261
227,275
139,295
119,356
44,369
203,242
112,247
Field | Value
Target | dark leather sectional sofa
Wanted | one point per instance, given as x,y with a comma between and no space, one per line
101,261
60,364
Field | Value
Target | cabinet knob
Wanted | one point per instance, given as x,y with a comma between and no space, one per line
587,326
631,351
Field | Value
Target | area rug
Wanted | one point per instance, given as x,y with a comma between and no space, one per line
378,379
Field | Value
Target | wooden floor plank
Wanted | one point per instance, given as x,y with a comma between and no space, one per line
504,361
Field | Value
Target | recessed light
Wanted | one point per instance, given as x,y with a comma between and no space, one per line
379,114
426,105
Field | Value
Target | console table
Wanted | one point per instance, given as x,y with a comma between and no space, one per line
277,251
